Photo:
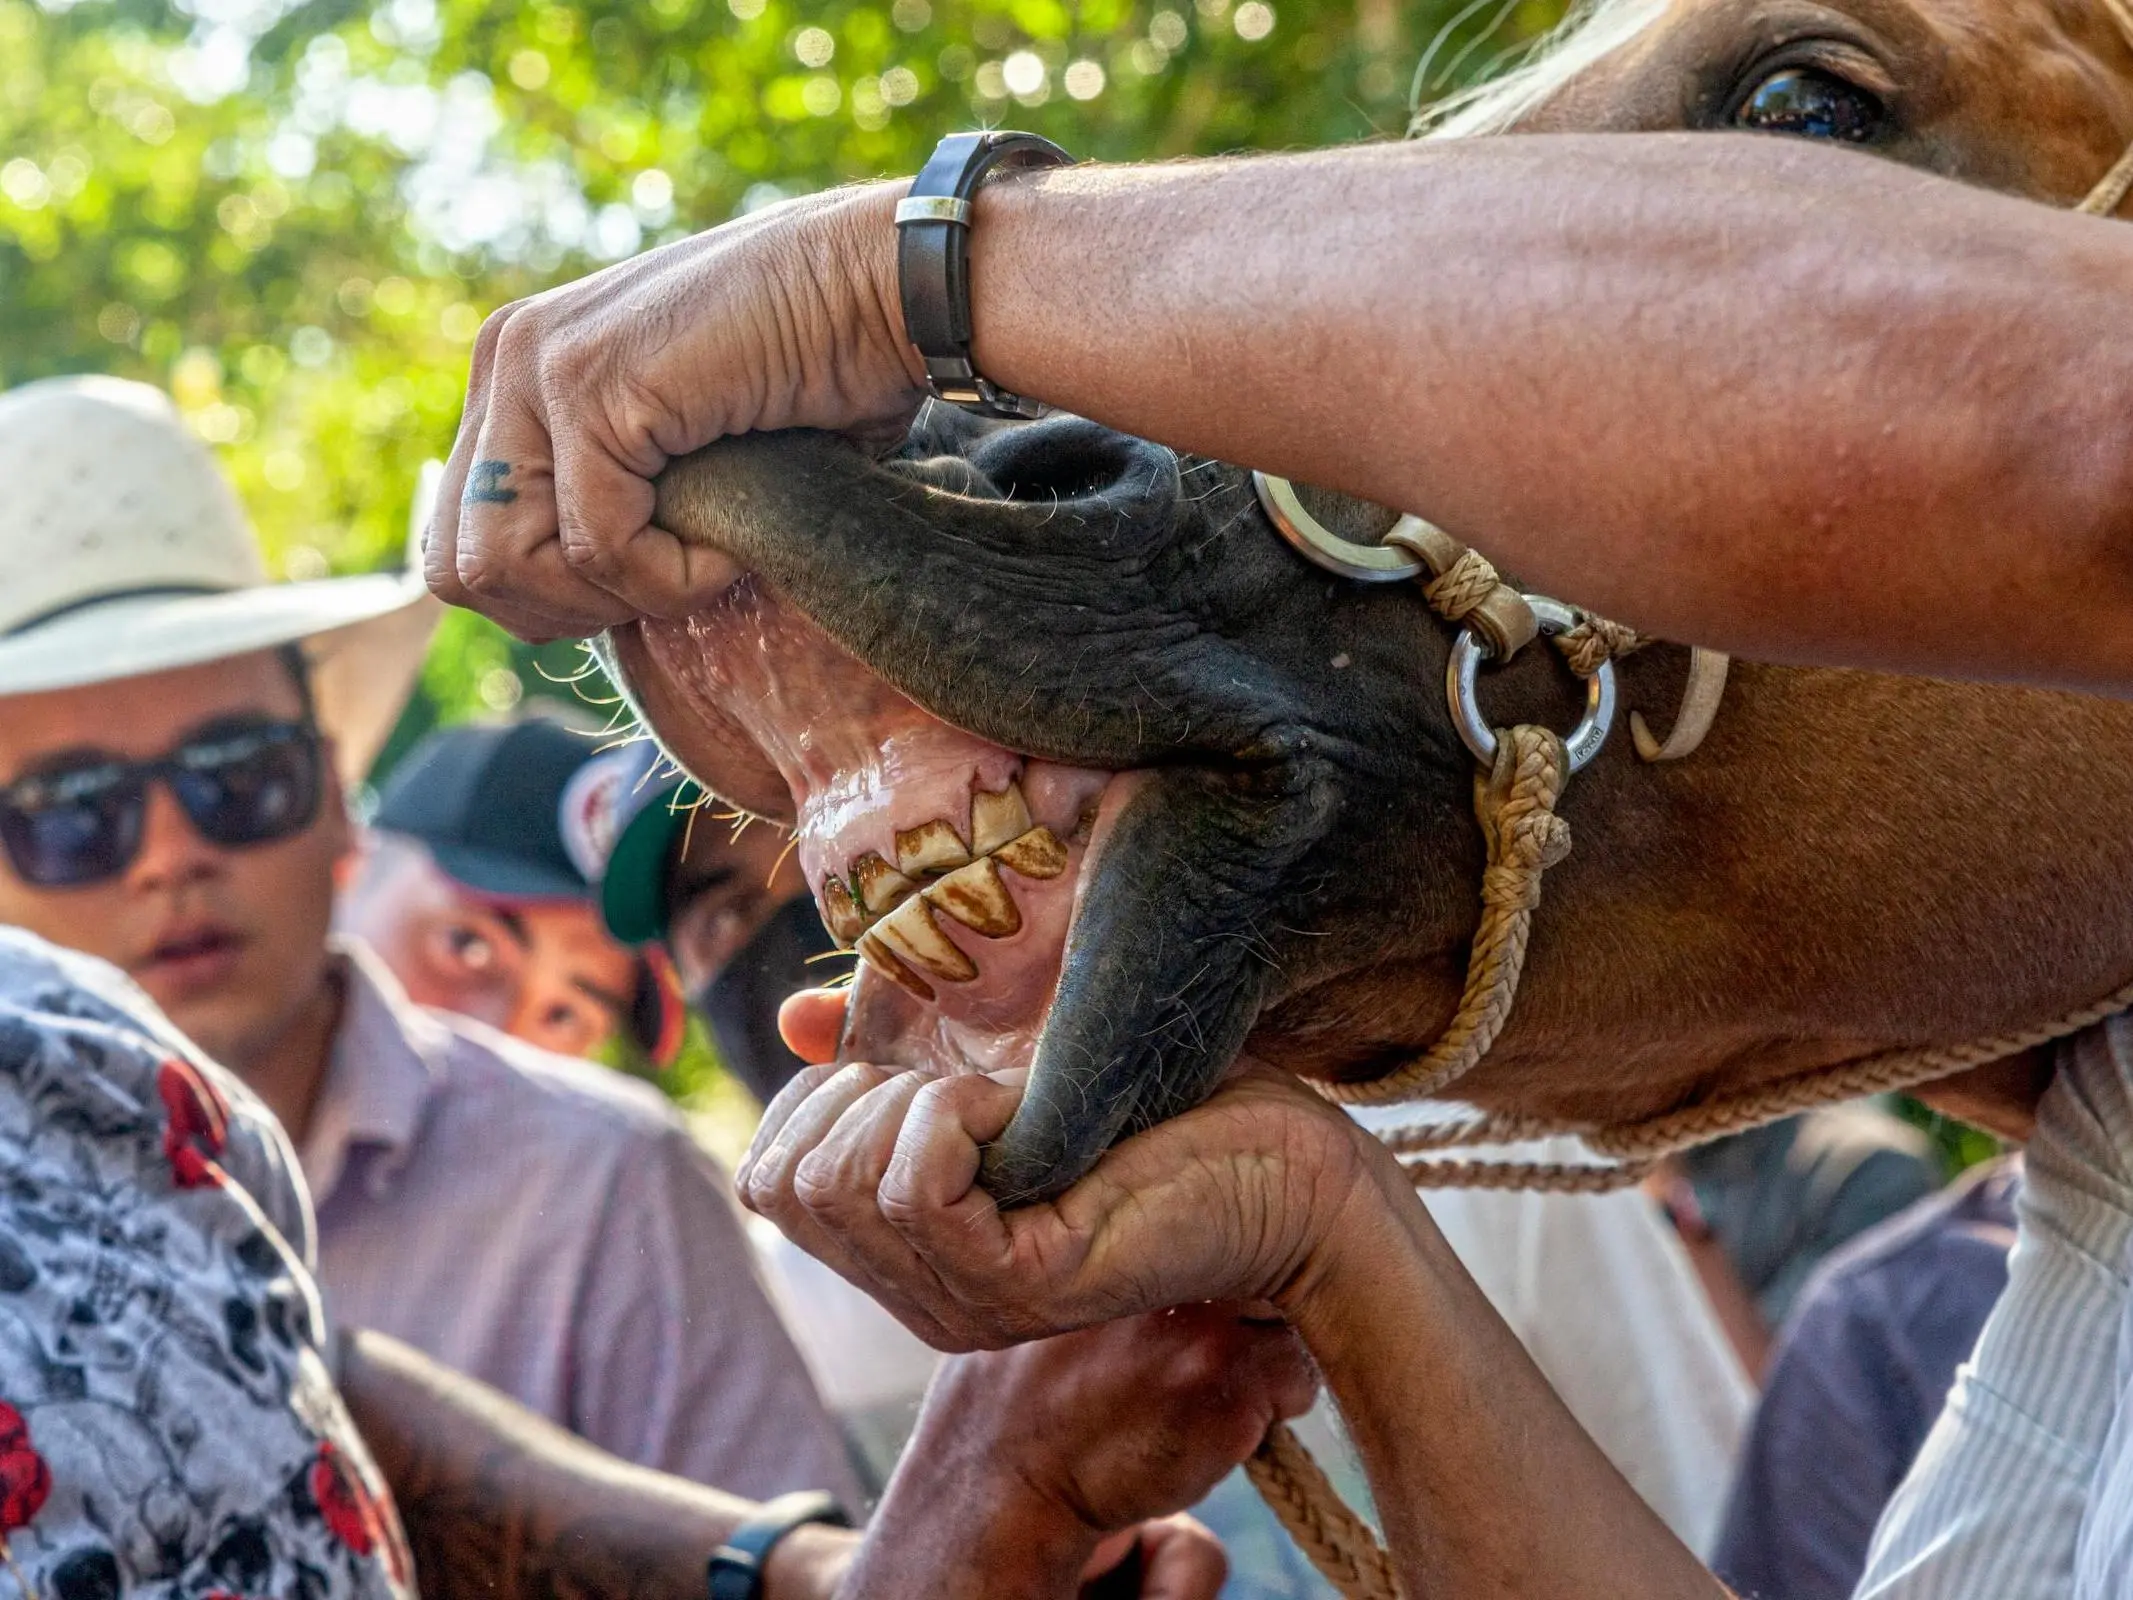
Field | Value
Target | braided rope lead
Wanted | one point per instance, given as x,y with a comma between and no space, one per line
1543,1177
1340,1544
1515,804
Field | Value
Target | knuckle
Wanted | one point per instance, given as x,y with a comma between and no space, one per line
586,553
790,1098
818,1183
904,1211
508,324
440,573
768,1193
491,580
560,362
490,334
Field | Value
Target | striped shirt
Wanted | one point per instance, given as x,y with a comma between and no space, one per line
2024,1490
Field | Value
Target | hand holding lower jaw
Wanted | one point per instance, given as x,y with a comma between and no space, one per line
1261,1194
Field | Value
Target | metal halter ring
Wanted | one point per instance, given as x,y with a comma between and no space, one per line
1372,563
1463,671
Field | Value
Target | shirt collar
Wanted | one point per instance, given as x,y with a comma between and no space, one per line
389,1057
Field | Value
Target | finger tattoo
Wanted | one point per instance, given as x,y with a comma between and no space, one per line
485,484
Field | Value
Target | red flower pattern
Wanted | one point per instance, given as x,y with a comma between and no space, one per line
345,1501
196,1124
25,1481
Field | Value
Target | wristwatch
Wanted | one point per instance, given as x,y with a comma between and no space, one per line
933,260
736,1569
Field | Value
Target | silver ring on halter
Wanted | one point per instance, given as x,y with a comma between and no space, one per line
1372,563
1462,674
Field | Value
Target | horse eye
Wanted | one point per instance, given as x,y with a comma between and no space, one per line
1812,105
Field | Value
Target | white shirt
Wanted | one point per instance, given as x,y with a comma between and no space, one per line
1602,1295
2024,1489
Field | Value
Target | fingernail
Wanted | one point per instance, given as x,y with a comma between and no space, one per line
1009,1077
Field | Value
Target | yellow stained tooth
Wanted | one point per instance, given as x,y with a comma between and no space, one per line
930,847
975,897
876,955
845,920
913,936
881,887
997,818
1037,854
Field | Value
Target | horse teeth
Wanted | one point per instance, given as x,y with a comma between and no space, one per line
845,920
1037,854
975,897
876,955
911,935
881,887
930,847
997,818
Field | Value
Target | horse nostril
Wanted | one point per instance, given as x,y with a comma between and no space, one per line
1070,458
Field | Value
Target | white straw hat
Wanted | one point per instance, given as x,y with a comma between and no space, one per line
123,551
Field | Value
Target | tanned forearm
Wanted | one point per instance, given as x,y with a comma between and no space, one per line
503,1505
1489,1488
1796,402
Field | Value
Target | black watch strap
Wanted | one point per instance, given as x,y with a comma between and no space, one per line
933,260
736,1569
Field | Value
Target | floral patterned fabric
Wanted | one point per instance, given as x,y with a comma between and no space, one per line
168,1426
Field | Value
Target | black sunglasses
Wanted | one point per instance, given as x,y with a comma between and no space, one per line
81,823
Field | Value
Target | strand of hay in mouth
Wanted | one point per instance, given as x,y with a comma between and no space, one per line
1340,1544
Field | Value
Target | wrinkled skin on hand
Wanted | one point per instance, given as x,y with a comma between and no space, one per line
579,396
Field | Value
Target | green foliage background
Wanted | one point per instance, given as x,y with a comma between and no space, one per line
295,216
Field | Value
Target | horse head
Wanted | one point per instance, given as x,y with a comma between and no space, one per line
1103,777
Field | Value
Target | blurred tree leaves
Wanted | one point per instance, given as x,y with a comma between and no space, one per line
295,216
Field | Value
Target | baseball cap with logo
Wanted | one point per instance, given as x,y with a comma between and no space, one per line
621,822
516,810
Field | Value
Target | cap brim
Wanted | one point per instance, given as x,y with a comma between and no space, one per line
633,890
659,1017
379,626
514,877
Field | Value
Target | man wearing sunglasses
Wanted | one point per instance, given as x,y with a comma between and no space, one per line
175,738
168,797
